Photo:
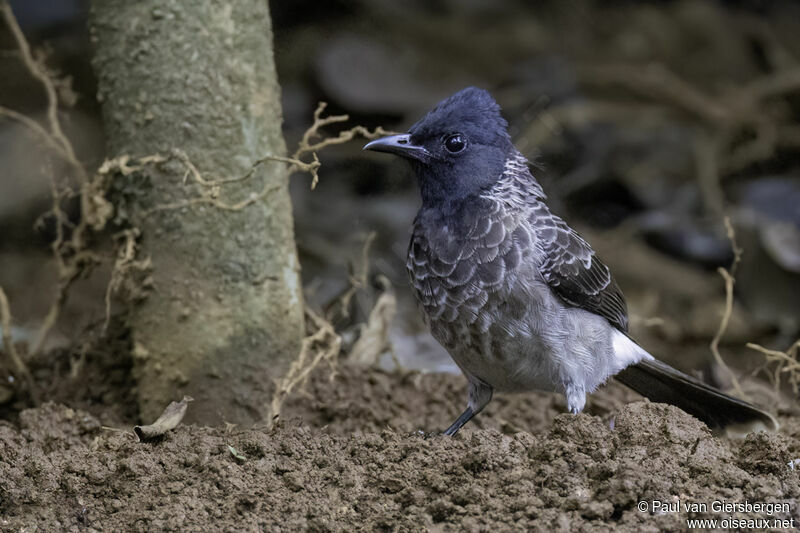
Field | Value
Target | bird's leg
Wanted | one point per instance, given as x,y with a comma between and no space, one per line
576,397
479,394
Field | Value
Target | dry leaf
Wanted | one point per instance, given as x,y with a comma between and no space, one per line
374,338
168,420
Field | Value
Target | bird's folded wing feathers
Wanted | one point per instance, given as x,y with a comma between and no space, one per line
570,267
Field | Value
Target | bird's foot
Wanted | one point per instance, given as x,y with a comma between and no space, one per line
576,398
428,434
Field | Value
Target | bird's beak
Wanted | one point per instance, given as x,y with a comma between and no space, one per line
399,145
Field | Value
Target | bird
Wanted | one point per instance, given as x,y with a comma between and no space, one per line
517,297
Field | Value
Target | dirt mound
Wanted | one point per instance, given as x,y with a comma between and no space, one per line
347,457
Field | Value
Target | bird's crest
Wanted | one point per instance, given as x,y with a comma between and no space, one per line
472,111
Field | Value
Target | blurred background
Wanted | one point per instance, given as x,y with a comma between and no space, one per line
646,122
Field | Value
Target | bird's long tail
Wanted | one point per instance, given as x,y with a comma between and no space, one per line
661,383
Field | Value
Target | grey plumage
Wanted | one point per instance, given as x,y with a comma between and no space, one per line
489,277
515,295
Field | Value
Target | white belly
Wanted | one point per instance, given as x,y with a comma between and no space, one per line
527,339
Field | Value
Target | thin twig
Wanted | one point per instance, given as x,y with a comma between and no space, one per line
8,342
735,248
785,363
358,276
659,83
707,168
728,276
40,132
772,85
72,270
38,71
728,116
71,257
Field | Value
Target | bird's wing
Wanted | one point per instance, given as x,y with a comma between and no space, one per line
571,268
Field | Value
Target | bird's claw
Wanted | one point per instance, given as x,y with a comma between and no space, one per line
428,434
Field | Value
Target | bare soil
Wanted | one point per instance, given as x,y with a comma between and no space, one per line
349,455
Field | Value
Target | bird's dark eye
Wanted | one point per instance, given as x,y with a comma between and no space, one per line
455,143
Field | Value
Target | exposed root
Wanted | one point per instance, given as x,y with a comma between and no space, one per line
729,278
70,252
70,249
322,345
312,141
781,363
308,146
38,70
8,343
128,274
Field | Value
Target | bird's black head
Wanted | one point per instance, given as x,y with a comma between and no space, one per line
457,150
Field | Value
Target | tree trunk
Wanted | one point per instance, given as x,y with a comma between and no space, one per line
224,317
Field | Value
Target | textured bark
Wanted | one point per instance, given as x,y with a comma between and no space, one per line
224,317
